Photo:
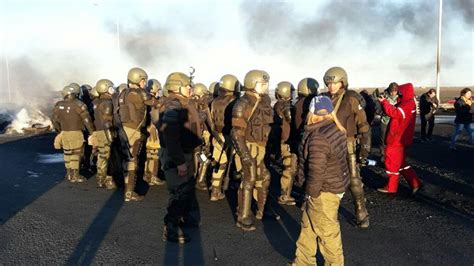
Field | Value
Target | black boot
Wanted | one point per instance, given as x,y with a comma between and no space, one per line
172,233
76,177
109,182
100,180
201,182
245,219
68,176
130,194
362,216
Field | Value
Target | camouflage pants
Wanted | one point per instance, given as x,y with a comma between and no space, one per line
103,145
221,157
72,143
290,162
152,148
261,185
135,141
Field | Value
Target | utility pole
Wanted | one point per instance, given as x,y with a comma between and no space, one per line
438,57
118,35
8,78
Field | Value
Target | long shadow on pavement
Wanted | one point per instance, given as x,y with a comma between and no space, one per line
282,233
192,252
23,177
85,251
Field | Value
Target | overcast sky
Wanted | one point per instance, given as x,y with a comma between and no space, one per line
51,43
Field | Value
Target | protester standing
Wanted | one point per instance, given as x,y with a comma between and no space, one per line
464,110
428,107
324,174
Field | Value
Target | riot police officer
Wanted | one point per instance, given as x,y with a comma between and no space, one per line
221,113
152,164
283,119
94,95
252,116
70,116
105,132
133,102
351,114
179,128
307,89
202,156
214,89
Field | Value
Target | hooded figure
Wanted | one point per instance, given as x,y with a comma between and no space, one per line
401,130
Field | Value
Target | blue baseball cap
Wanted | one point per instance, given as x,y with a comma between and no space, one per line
321,105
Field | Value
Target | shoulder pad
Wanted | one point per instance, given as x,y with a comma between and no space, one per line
286,110
108,107
82,106
144,94
351,93
239,108
354,95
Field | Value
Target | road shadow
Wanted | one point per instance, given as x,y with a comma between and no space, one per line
87,248
281,232
185,254
24,177
280,228
190,253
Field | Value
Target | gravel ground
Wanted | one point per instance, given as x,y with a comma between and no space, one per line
44,220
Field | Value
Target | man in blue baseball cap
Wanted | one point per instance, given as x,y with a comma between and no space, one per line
324,174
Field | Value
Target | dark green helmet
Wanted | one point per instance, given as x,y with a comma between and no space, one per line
308,86
104,85
93,93
136,75
86,87
200,90
284,90
229,82
336,74
122,87
154,86
176,80
71,89
75,86
253,77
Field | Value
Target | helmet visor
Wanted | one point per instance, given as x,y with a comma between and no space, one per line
261,88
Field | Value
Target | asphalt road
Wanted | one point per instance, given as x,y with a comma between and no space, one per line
45,220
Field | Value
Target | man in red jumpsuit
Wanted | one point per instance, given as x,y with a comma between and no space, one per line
399,136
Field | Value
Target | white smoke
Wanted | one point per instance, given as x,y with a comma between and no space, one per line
29,120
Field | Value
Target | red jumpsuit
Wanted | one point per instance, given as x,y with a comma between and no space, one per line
399,136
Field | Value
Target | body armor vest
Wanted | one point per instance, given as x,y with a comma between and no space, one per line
221,112
69,114
132,109
280,108
100,112
259,123
282,119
